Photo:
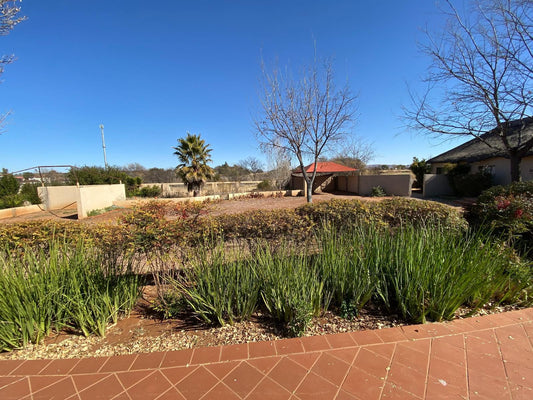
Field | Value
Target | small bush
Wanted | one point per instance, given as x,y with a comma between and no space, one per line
465,184
378,191
402,211
507,210
150,191
265,186
28,191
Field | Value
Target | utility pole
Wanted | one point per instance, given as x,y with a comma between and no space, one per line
103,145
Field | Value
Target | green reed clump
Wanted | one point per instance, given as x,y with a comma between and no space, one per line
218,290
292,291
49,290
429,273
347,264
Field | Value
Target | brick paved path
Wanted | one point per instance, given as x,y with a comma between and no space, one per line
488,357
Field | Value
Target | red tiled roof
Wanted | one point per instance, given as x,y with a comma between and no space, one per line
326,167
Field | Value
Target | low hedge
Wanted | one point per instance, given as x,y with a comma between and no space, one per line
160,225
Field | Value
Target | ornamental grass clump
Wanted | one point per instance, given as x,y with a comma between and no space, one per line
347,264
218,291
429,273
60,287
292,290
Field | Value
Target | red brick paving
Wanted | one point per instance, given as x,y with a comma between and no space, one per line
488,357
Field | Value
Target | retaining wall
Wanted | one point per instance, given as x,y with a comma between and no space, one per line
86,198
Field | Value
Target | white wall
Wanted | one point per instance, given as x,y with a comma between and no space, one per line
57,197
97,197
86,198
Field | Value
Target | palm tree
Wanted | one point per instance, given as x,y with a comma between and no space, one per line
194,155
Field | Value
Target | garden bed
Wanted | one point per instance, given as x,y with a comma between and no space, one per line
324,268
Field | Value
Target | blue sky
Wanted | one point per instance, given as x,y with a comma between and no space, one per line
151,71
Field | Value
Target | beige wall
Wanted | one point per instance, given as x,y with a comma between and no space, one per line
97,197
86,198
57,197
210,188
437,185
395,185
352,184
16,211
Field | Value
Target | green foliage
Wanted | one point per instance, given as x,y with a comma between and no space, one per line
231,172
265,186
28,192
9,185
93,213
419,168
219,291
465,184
11,200
401,211
378,191
45,290
193,155
428,273
150,191
339,213
292,291
88,175
346,267
507,210
272,225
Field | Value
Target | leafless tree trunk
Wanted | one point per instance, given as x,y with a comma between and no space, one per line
303,117
481,77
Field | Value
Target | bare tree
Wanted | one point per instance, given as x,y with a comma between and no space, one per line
303,117
252,164
279,166
481,76
8,19
355,152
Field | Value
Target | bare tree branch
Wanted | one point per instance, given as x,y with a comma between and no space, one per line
8,19
481,76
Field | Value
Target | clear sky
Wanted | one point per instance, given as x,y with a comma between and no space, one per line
151,71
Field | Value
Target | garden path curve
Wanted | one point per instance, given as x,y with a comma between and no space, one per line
489,357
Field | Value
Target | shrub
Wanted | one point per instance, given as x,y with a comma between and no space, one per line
465,184
338,213
28,192
507,210
378,191
265,186
272,225
419,168
402,211
150,191
11,200
9,185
